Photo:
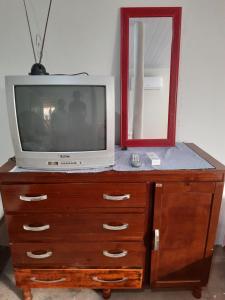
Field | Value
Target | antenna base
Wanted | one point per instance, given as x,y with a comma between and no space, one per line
38,69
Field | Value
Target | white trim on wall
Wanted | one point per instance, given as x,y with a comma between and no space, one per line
220,239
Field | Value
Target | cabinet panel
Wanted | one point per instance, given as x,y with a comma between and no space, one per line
69,197
68,227
75,278
182,216
86,254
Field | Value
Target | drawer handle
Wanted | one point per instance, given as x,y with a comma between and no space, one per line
123,253
33,198
116,198
34,279
115,227
95,278
156,241
36,228
39,256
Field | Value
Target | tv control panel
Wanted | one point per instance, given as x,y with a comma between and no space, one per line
57,163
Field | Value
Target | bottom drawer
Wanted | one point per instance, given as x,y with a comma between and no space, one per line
77,278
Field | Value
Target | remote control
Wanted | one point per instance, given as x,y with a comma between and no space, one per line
154,158
135,160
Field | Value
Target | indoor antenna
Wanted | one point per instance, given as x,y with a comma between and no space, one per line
38,68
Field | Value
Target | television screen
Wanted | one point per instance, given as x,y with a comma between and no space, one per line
61,118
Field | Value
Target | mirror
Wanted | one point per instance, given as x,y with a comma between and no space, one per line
150,39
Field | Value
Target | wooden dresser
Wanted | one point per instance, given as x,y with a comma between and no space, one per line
112,230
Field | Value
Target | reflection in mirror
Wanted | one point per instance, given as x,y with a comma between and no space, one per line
150,41
150,47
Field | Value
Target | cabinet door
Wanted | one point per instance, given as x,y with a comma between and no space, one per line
184,225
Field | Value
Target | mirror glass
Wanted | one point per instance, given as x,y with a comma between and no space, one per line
150,41
150,47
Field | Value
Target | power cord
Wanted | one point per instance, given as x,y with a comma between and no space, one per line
81,73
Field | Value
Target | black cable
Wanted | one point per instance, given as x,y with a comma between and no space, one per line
46,24
85,73
32,43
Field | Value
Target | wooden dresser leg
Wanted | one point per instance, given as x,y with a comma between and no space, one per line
106,293
27,294
197,292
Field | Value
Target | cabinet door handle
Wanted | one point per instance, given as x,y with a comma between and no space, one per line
95,278
159,185
115,227
115,255
36,228
116,198
33,198
39,256
156,241
34,279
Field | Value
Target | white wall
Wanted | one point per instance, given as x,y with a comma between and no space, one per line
156,106
84,35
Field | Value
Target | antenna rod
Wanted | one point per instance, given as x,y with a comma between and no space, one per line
46,24
32,43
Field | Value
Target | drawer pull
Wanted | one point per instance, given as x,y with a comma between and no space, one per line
115,227
36,228
116,198
123,253
156,241
39,256
34,279
95,278
33,198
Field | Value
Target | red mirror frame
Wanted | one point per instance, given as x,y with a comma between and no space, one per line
143,12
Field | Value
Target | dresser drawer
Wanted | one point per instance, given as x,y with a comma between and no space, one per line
77,278
69,197
107,255
67,227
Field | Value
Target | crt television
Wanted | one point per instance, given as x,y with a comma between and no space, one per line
61,122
